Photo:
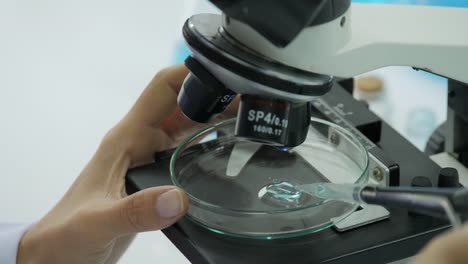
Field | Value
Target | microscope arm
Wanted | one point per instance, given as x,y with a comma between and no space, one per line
369,37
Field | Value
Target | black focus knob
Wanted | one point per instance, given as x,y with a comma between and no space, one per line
202,95
421,181
448,177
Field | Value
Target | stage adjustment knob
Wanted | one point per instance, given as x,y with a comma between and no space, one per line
448,177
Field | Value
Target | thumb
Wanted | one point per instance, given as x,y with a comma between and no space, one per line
151,209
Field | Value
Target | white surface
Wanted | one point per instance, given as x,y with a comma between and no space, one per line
10,235
69,70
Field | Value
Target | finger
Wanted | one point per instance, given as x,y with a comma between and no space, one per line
159,99
231,110
151,209
447,248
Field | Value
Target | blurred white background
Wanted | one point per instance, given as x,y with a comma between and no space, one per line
69,70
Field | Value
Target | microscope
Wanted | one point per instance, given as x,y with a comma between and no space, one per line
292,60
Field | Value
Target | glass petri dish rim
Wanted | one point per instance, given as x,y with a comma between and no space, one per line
200,202
304,232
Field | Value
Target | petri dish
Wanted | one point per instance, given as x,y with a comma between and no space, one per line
246,189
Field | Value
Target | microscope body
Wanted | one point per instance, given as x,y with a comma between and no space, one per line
280,55
371,36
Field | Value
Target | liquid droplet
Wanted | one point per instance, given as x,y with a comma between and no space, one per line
283,191
281,194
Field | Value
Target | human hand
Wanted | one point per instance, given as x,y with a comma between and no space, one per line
449,248
95,220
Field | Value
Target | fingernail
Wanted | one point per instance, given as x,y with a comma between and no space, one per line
170,204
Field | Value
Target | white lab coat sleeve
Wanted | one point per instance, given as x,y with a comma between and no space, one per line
10,236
